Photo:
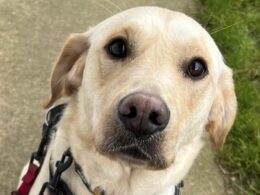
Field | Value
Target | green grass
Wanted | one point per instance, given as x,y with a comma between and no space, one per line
235,26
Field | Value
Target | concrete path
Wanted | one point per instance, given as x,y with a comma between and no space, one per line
31,35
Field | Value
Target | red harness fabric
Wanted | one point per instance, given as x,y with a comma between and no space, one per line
28,180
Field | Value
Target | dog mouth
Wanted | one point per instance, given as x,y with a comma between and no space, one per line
135,151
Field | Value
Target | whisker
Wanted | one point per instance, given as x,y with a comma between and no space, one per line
113,4
224,28
208,20
100,5
123,4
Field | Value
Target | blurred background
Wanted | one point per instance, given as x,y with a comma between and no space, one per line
32,33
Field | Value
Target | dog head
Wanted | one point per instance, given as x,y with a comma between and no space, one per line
146,82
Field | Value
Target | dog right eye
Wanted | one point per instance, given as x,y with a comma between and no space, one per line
117,48
197,69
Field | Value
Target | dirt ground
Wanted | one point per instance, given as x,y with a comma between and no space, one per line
31,35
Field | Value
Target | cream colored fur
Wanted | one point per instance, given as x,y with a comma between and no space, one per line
163,41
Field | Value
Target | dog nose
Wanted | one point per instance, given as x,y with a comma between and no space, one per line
143,114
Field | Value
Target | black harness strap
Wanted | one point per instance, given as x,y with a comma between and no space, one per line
79,171
52,118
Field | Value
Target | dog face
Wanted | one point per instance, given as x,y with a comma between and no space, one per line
146,82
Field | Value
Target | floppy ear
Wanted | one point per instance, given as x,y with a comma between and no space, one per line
223,110
67,72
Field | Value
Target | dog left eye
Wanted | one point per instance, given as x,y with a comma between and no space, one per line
117,48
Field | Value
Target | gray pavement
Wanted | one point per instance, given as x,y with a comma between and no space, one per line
31,35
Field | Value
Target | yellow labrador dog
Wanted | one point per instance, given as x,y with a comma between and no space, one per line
143,87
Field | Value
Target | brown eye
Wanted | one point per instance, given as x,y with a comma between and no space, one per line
196,69
117,48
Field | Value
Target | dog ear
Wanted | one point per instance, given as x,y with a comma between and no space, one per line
67,72
223,110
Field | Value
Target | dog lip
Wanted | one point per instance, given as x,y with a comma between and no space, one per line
135,153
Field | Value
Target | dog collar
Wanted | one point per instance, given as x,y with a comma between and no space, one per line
55,185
